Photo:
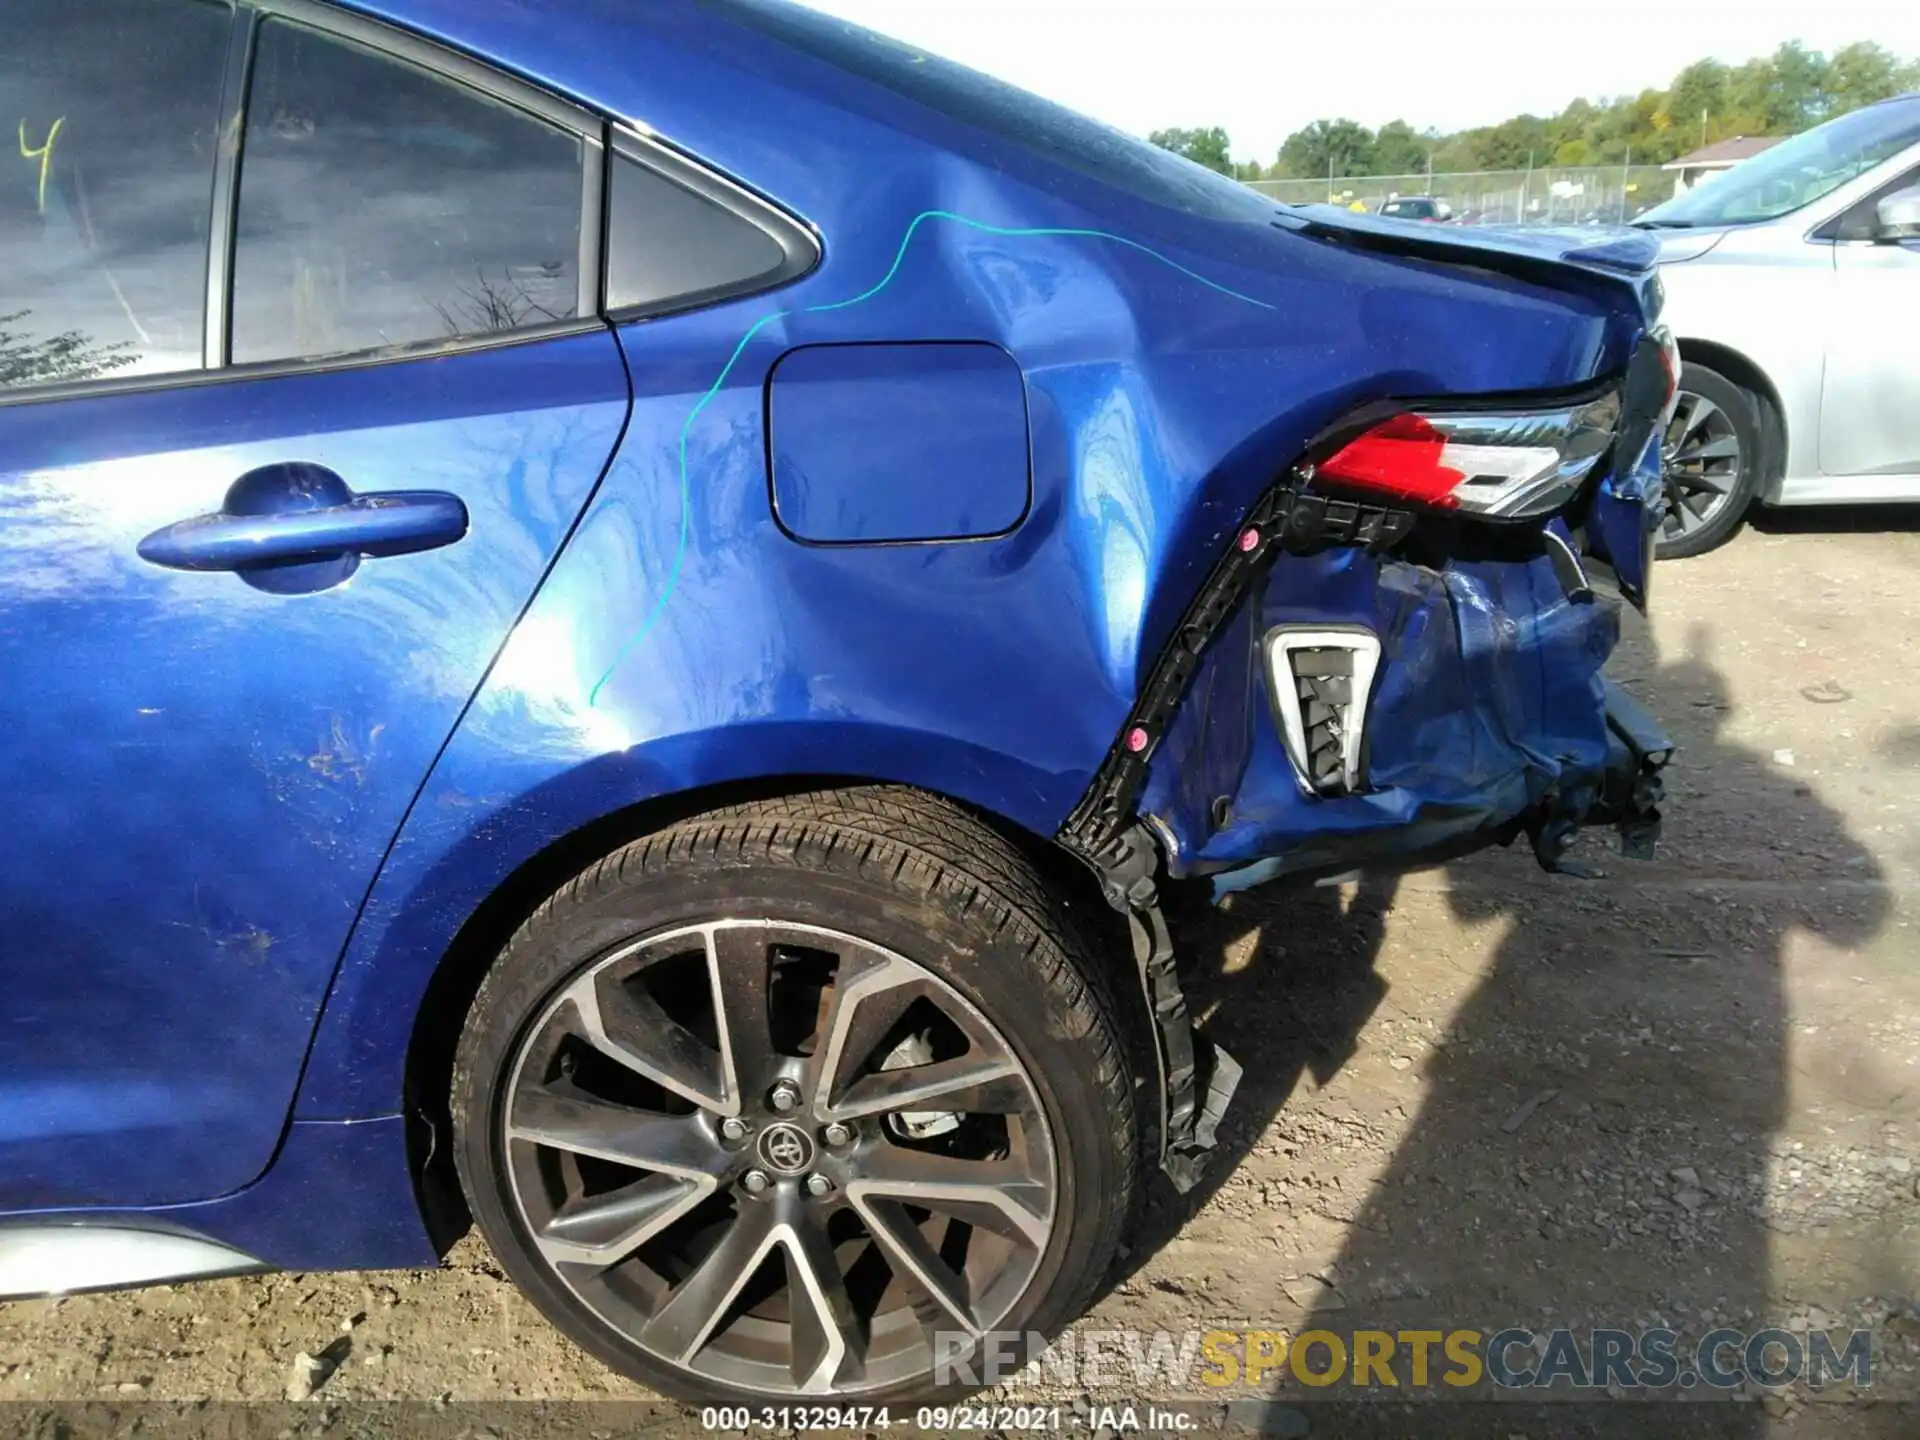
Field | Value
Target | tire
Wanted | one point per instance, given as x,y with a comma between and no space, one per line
1715,453
906,934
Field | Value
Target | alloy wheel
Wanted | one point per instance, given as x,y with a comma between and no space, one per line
778,1157
1703,460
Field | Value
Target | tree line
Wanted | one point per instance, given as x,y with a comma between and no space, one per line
1777,94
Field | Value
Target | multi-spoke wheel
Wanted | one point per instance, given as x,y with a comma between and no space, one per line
1711,456
799,1099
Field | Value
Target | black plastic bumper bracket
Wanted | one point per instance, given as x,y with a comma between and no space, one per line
1628,797
1197,1078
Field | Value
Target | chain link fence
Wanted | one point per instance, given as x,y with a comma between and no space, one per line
1588,195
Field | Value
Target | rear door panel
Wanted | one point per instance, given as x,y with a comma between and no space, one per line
204,777
208,768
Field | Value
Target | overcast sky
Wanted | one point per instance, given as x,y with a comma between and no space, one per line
1264,68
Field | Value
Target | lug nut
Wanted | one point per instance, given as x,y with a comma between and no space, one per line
784,1096
755,1182
837,1135
819,1185
733,1128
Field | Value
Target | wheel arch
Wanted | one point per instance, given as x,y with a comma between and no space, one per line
443,1005
1749,376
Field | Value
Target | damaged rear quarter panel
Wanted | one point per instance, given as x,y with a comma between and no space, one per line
1174,365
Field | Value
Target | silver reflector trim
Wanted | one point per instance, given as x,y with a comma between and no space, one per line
1320,678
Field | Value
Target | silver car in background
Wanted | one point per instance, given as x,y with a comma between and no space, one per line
1793,285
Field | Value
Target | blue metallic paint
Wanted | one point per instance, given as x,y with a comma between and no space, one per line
354,1174
1489,700
829,307
1626,515
204,777
775,658
303,518
956,412
1174,364
339,1194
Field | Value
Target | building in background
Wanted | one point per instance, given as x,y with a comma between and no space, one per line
1703,164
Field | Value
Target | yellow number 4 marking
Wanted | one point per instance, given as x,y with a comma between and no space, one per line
44,155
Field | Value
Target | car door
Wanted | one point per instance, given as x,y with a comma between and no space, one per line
277,475
1869,421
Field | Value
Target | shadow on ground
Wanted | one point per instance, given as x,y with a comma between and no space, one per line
1592,1142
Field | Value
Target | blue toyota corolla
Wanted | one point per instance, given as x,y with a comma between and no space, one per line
614,619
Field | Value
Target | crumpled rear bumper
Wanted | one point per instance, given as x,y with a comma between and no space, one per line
1474,651
1489,717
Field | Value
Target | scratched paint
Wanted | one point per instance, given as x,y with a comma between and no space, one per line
899,258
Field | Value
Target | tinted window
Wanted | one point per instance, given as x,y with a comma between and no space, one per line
382,205
665,243
108,113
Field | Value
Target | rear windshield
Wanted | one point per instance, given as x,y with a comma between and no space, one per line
1005,112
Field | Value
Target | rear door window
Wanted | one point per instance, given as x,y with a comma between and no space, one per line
383,206
110,110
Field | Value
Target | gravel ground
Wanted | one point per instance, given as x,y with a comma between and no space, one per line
1684,1093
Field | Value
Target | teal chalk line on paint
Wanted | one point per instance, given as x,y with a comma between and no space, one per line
893,270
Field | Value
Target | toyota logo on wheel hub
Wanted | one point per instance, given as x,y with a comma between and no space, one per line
786,1149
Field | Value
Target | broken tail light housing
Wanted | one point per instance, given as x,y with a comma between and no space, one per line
1367,500
1500,462
1504,464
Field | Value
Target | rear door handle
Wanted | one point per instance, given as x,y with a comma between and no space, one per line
304,518
395,522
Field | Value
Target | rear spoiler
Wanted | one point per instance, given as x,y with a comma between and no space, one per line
1614,254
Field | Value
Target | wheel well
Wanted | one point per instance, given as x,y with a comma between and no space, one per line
1751,378
456,980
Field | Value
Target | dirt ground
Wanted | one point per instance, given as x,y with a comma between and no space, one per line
1684,1093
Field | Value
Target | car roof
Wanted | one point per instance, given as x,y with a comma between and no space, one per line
727,79
609,53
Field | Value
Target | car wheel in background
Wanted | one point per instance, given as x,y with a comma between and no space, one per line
1712,456
757,1106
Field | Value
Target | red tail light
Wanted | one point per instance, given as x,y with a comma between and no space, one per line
1402,457
1507,465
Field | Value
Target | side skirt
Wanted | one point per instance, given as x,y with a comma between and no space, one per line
70,1259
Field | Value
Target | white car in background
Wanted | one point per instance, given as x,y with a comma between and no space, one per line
1793,285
